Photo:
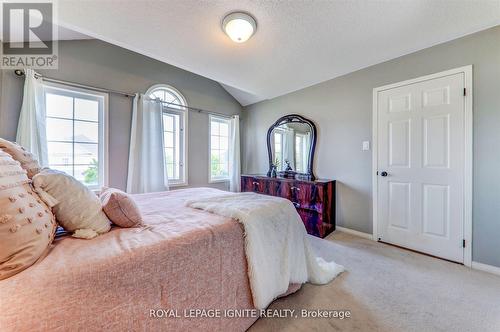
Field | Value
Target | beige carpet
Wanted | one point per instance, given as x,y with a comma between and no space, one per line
391,289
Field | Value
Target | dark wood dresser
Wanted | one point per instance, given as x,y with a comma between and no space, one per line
314,200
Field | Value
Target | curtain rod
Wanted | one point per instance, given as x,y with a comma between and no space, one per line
20,73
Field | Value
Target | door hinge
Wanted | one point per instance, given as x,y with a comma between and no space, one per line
463,243
465,92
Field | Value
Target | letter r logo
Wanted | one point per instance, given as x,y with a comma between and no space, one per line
27,28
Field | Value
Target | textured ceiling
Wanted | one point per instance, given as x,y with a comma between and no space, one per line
297,44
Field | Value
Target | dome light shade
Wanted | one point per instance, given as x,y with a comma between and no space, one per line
239,26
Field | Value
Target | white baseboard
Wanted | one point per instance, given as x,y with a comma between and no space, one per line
475,265
486,268
354,232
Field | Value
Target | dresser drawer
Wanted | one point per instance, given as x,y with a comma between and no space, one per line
314,200
313,221
257,185
307,196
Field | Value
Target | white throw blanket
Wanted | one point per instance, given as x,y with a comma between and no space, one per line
277,249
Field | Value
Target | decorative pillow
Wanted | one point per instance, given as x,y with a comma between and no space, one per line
27,159
27,226
120,208
77,209
11,173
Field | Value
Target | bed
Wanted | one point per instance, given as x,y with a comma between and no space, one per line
183,259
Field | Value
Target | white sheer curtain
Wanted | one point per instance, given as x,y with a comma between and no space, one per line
146,164
234,156
305,153
288,147
31,131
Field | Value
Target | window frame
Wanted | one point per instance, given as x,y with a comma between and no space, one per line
103,123
281,132
183,137
220,119
303,146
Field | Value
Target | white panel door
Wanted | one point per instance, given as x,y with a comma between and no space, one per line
421,140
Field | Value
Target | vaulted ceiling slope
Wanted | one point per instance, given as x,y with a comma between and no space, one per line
297,43
62,34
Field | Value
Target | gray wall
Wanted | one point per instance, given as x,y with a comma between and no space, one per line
342,110
1,93
101,64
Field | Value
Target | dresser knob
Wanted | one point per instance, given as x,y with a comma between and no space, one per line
255,183
295,188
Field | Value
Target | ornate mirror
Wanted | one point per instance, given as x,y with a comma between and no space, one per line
291,141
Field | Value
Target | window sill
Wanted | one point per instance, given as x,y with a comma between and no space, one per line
218,180
177,184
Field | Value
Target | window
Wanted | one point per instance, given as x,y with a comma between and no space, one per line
219,148
278,161
300,151
174,132
76,133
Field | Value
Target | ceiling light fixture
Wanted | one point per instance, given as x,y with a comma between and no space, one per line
239,26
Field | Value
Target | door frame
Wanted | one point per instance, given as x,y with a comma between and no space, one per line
467,227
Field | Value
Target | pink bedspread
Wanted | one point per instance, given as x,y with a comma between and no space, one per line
187,259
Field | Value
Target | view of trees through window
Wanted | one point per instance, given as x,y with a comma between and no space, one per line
219,148
73,134
173,136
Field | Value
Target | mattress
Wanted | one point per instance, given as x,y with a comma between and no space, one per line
184,259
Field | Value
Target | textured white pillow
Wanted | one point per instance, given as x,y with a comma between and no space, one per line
27,226
77,209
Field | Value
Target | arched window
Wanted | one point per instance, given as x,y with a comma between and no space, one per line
168,94
174,131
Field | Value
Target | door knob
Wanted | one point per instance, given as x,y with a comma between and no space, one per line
384,173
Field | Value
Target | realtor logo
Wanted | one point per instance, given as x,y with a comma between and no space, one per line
29,37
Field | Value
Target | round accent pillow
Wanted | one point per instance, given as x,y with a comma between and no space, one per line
120,208
27,159
77,209
27,226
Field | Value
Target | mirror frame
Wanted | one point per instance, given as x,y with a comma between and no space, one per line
294,118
